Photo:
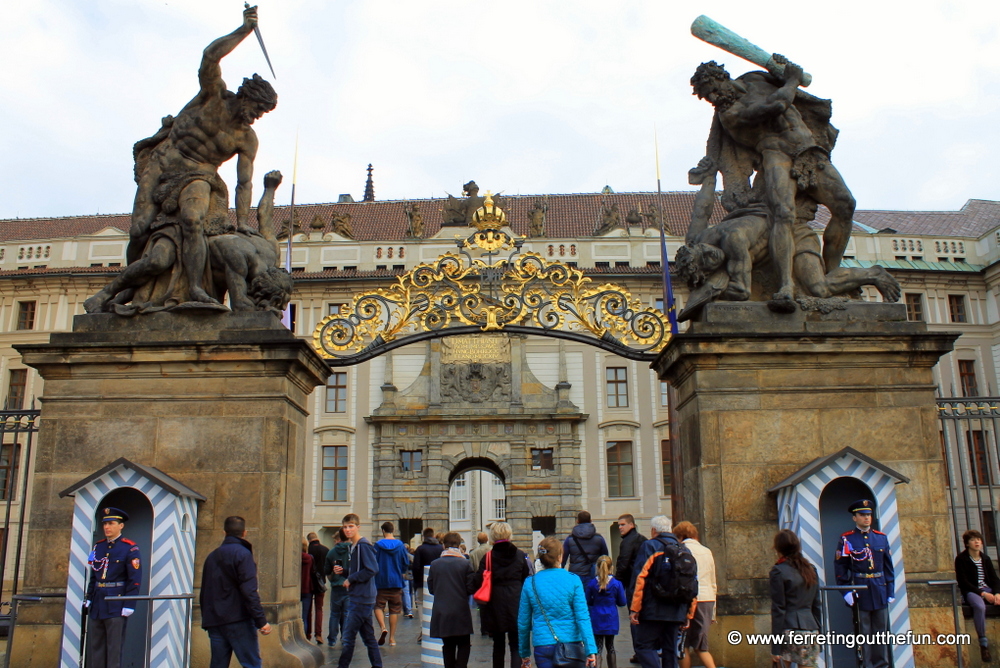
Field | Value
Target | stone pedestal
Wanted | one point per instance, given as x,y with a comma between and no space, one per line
218,402
761,395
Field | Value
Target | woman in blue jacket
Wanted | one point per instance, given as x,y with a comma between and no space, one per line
605,595
553,610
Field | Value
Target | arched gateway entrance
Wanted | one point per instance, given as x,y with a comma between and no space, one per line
476,403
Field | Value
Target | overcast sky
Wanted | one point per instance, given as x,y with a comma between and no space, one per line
526,97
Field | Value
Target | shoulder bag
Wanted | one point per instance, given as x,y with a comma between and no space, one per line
482,594
567,654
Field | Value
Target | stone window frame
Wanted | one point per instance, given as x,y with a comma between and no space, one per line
616,386
463,482
340,392
339,457
541,459
616,469
418,461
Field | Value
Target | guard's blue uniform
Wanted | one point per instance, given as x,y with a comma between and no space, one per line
864,559
116,570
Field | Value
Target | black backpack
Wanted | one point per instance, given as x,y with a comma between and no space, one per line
673,577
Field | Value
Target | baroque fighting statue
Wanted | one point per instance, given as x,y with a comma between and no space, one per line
771,141
176,254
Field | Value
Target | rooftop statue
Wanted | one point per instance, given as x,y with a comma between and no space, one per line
458,212
181,201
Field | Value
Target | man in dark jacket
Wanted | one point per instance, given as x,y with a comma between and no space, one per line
657,622
360,585
628,550
340,555
230,605
318,552
423,556
582,548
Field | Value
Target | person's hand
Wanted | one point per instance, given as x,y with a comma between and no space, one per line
272,179
127,612
265,630
849,598
250,17
86,604
338,569
989,598
526,662
347,584
775,659
891,599
633,618
592,660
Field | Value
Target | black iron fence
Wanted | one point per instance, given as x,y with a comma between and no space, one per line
17,440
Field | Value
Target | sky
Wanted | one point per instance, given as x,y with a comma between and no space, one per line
525,97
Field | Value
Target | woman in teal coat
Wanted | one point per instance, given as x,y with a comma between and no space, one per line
553,610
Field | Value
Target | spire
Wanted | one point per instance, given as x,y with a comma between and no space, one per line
369,187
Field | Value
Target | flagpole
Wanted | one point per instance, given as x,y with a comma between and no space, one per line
286,317
668,291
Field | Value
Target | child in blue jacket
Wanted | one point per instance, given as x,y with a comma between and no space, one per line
605,595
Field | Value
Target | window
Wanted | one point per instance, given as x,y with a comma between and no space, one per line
541,460
666,466
500,509
293,317
412,460
382,267
664,394
617,382
333,308
989,527
602,265
459,499
399,267
914,306
16,389
336,392
967,376
620,468
658,303
622,265
956,308
9,454
26,315
978,463
334,473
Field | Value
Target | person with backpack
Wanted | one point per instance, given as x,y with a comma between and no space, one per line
666,582
605,595
582,548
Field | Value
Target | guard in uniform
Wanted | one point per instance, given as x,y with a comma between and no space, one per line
116,570
863,558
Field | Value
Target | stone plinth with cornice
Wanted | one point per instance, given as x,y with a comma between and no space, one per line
760,396
218,402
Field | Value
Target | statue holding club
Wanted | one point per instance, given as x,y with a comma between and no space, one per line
772,141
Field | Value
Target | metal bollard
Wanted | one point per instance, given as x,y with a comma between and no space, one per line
431,653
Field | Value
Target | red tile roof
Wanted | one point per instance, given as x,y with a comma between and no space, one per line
569,216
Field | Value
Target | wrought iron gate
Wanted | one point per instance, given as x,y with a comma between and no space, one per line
17,439
969,429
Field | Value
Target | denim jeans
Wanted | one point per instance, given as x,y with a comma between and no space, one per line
307,600
407,601
338,613
359,618
239,638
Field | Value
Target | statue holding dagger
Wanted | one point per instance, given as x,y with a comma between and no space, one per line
181,200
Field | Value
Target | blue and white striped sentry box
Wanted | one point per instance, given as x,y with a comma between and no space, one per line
430,648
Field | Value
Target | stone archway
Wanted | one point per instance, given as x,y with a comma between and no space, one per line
460,415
